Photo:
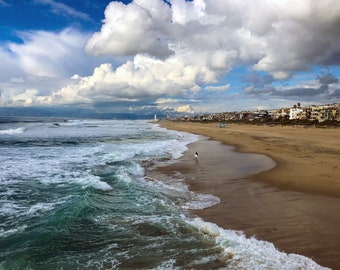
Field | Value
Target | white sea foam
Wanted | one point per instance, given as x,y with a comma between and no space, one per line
201,201
169,264
12,131
123,176
128,151
244,253
10,208
23,209
130,172
5,233
80,164
176,188
92,181
40,207
101,185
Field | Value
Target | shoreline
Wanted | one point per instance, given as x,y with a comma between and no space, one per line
307,160
293,205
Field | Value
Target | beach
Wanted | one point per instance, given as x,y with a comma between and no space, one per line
293,204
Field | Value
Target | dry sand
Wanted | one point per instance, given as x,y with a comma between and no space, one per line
294,205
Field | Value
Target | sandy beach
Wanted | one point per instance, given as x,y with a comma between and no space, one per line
294,205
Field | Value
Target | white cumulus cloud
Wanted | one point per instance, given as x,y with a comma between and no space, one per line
138,27
142,78
171,49
185,109
49,54
218,88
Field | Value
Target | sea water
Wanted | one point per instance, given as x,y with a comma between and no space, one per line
75,194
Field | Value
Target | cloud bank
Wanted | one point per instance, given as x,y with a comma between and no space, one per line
179,49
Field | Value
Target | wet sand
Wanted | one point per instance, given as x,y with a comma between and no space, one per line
294,205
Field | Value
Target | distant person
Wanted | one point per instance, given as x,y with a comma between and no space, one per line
196,155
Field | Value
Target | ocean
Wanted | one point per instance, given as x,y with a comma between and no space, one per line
78,194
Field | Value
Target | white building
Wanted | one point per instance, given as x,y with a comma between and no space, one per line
295,113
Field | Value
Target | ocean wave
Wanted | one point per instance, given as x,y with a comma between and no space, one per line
12,131
23,209
6,233
40,207
201,201
244,253
10,208
126,195
92,181
176,189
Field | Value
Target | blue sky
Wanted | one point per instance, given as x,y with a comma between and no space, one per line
49,15
148,56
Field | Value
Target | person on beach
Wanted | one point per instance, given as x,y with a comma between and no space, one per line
196,155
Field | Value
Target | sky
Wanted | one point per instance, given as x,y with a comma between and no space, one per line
173,56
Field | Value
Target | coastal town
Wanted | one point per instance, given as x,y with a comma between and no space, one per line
312,114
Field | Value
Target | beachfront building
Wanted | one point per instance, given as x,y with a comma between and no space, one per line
232,116
337,113
320,113
329,114
325,112
306,113
245,115
282,113
273,114
314,113
260,115
295,113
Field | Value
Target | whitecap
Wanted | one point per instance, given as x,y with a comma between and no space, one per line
169,264
92,181
241,252
12,131
40,207
10,208
5,233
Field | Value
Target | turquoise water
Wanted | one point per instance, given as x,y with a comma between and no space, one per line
74,195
